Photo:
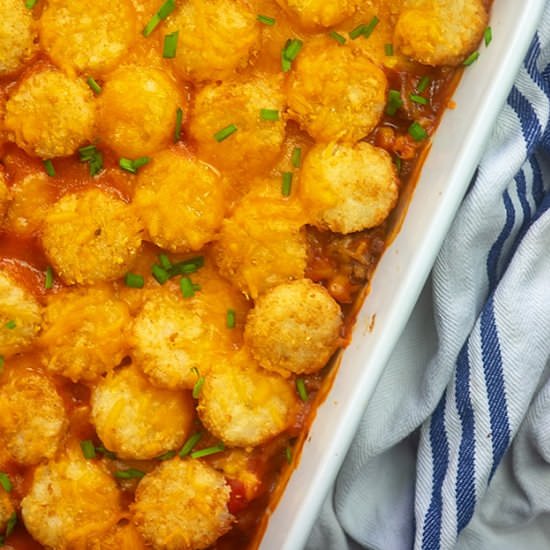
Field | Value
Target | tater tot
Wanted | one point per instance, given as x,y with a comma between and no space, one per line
182,505
20,316
124,536
206,28
314,13
244,405
17,35
75,321
294,327
335,92
135,419
137,110
91,236
31,196
6,510
50,114
69,498
33,421
181,201
92,42
347,188
440,32
263,243
257,143
171,335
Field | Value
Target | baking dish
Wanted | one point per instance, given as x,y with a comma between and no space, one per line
455,151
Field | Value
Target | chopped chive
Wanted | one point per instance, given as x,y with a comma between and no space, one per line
472,58
488,35
133,280
301,389
208,451
288,454
266,20
170,45
398,164
167,455
106,453
5,482
179,122
88,449
10,324
394,102
48,166
338,37
189,445
357,31
10,526
48,282
29,4
388,50
130,473
417,132
186,267
197,388
418,99
2,363
164,11
290,52
269,114
160,274
96,88
186,287
286,186
224,133
371,26
133,166
423,84
90,154
165,261
230,318
87,152
296,157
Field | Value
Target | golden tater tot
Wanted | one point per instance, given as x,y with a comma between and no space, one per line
263,243
75,321
335,92
87,36
137,110
20,316
314,13
256,143
347,188
6,510
440,32
136,420
33,421
91,236
216,37
181,201
171,336
294,327
17,35
31,196
68,498
50,114
244,405
182,505
124,536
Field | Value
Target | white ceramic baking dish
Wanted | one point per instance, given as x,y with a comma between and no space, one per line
403,269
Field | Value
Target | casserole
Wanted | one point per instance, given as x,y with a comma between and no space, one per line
456,149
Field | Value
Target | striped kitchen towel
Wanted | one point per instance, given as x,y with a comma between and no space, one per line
454,449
